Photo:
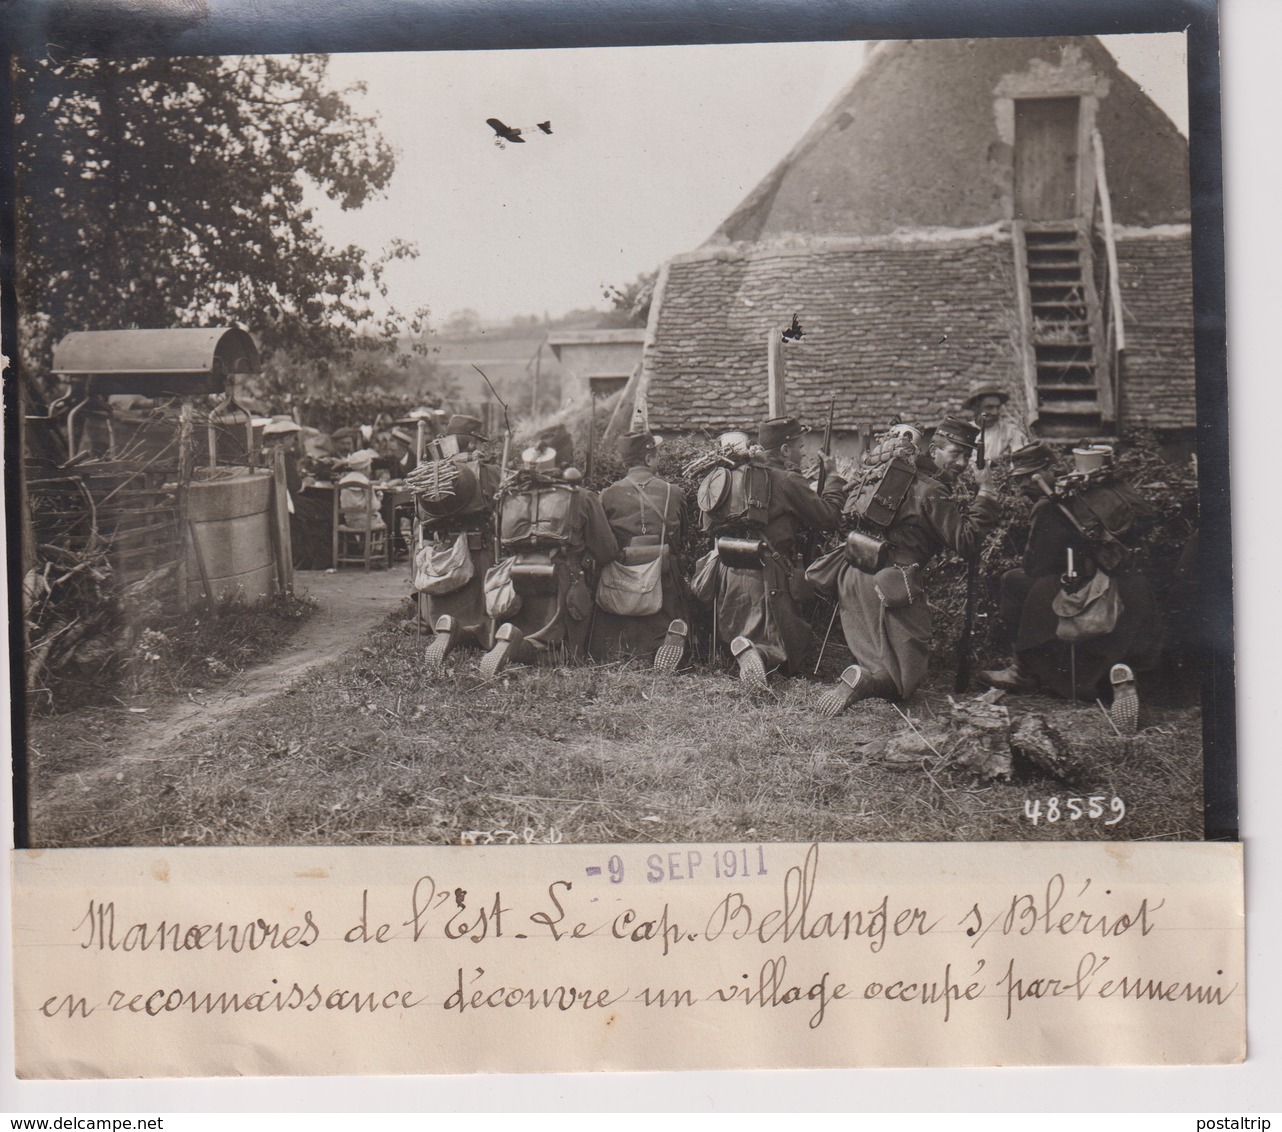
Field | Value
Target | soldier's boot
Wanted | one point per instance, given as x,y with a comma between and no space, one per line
853,685
446,629
507,640
752,669
1125,712
1012,679
846,691
673,650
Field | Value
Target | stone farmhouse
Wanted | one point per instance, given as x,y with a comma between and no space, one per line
1008,210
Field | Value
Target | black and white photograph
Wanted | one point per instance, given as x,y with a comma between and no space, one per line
539,466
701,443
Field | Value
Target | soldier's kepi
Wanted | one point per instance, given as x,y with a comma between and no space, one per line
901,517
753,576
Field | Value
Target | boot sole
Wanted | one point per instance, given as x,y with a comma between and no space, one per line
494,661
752,672
832,703
668,659
1125,711
436,653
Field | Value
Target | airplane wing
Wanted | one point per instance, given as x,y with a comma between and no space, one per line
507,133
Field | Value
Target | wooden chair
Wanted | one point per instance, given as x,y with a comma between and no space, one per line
355,546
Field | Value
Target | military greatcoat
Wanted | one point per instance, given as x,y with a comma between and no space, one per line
1027,594
759,602
467,605
896,642
643,507
560,619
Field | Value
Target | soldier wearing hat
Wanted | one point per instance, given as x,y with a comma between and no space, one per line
1077,549
760,510
648,518
551,532
907,517
457,511
984,401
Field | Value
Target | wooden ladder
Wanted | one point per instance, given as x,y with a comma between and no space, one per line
1063,330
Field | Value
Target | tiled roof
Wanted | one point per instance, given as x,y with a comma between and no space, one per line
890,328
914,141
1157,301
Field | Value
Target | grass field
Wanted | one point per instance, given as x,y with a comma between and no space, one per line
368,749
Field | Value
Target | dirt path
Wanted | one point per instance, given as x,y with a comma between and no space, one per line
104,758
351,603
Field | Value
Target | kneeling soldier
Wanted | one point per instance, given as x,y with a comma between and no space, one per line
548,528
455,504
1076,552
641,596
902,517
758,510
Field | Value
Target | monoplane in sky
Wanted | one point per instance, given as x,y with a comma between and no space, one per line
504,134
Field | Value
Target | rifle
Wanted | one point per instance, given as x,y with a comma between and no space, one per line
507,452
1069,582
825,449
587,463
836,608
961,682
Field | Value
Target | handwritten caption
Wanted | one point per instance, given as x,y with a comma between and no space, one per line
778,923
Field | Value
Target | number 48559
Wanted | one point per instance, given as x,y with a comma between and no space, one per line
1074,809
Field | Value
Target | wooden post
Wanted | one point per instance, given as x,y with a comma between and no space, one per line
538,372
186,459
1114,282
336,517
211,599
284,544
776,397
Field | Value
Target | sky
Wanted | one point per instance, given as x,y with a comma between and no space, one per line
651,148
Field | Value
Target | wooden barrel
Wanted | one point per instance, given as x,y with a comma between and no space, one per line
231,521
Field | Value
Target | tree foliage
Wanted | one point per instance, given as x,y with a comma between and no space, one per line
631,302
159,192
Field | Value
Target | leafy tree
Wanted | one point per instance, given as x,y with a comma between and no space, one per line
631,302
160,192
465,321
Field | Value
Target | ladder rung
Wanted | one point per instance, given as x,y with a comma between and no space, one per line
1069,409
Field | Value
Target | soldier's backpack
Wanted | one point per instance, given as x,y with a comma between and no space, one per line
447,488
871,509
539,518
875,503
735,501
1106,514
